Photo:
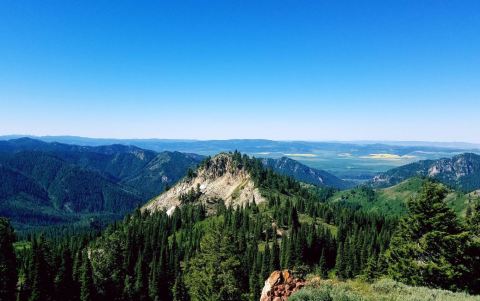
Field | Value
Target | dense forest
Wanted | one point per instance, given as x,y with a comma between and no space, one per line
44,184
226,254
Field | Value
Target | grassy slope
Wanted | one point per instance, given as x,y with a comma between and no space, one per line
382,290
392,200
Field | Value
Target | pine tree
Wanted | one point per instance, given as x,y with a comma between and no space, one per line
339,262
265,272
293,221
128,291
87,291
42,283
179,291
140,285
275,257
153,281
64,284
284,253
322,265
213,273
427,248
371,271
8,268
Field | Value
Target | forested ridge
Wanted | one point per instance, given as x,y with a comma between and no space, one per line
44,184
228,253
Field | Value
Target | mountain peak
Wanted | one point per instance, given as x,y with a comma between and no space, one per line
221,177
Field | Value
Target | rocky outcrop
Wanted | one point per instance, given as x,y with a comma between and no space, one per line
218,178
280,285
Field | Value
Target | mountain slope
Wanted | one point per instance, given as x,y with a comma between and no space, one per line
393,200
303,173
147,172
218,178
461,171
38,187
50,183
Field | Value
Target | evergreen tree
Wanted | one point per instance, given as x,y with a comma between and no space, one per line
128,290
213,273
179,291
8,264
140,286
64,283
87,291
293,221
275,256
153,281
340,262
265,272
428,246
42,283
322,265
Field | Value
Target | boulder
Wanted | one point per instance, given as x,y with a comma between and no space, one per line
280,285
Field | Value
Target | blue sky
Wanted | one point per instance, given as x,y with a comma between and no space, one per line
301,70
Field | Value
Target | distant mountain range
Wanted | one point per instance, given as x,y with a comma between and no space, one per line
461,172
264,145
353,161
303,173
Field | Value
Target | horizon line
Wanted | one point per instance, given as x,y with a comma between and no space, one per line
359,141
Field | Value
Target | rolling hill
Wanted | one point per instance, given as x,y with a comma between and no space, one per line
393,200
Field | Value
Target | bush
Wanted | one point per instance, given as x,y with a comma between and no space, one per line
382,290
326,293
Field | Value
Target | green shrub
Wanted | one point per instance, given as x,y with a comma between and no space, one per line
382,290
326,293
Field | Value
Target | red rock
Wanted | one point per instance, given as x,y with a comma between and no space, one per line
280,285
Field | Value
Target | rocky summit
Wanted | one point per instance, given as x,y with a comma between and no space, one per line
218,178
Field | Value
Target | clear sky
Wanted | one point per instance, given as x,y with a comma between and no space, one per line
301,70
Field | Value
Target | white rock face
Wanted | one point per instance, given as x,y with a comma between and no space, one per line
170,211
219,179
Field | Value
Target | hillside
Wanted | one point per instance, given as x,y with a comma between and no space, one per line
52,183
147,172
218,178
303,173
392,200
39,188
461,171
